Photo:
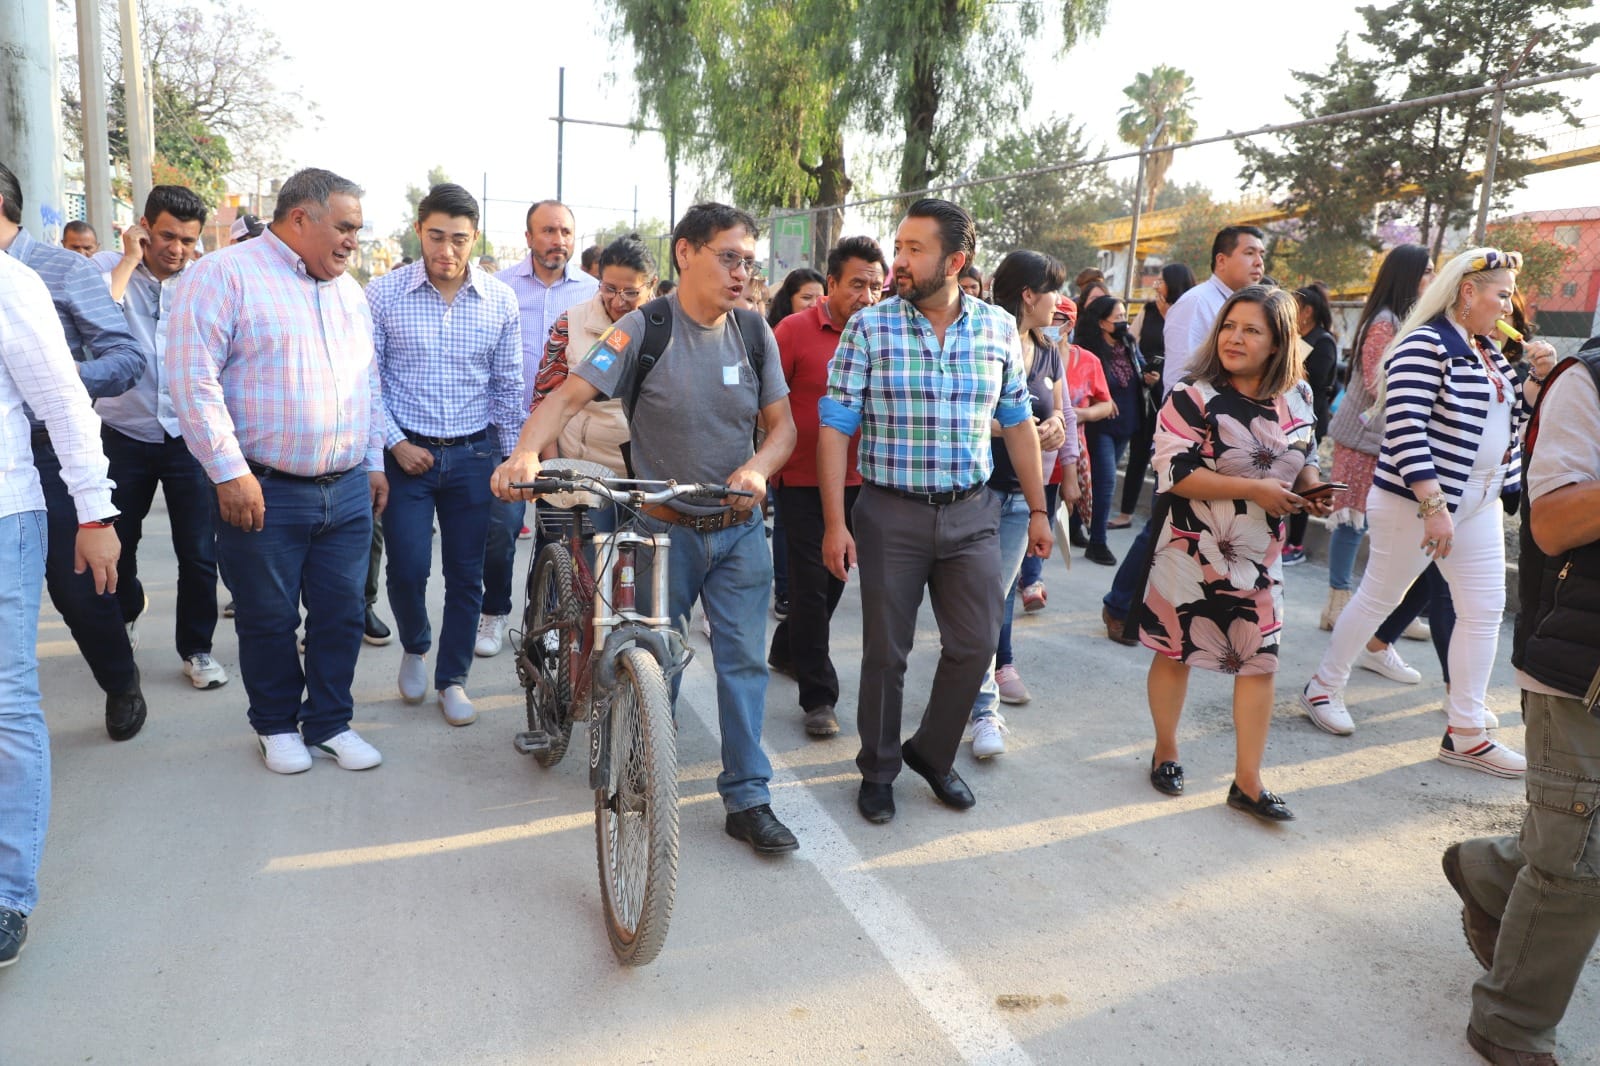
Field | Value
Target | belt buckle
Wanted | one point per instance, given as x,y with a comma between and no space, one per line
707,523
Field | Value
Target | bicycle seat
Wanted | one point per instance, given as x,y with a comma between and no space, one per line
567,468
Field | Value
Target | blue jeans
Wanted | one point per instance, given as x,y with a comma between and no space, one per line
1014,514
456,489
730,572
314,546
500,555
24,741
1031,571
93,618
1105,451
138,468
1344,541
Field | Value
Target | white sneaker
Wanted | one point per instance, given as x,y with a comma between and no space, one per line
133,626
1388,663
1012,690
455,705
1482,754
1326,708
988,736
491,635
284,753
1418,630
204,672
413,677
351,752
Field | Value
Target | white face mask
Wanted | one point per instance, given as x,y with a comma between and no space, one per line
1052,334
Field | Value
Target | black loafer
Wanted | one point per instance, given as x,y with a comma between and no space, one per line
125,711
1099,553
760,828
949,788
1168,778
1267,807
876,802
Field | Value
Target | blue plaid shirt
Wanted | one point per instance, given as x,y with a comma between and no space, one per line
448,370
923,410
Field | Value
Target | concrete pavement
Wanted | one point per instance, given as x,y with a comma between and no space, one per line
444,909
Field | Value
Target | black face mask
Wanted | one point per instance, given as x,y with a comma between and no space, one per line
1121,331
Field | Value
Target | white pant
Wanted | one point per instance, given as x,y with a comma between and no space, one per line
1475,570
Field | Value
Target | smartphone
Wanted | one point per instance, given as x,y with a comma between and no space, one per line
1317,492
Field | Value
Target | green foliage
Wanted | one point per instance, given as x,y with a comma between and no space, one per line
1049,212
1161,100
1415,163
1543,259
406,235
1301,255
1197,228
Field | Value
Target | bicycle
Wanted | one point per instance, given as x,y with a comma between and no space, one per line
587,652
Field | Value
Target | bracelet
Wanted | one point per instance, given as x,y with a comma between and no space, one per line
96,525
1038,510
1432,505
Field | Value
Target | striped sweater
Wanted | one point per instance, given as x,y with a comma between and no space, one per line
1438,400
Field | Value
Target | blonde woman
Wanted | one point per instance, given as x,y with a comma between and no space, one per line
1452,413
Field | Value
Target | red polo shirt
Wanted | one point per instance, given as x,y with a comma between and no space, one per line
806,341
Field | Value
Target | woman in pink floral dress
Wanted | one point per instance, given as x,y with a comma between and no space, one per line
1234,442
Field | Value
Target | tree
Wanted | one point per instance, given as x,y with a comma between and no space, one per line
1160,104
1047,213
406,235
1416,163
215,103
1300,255
1197,228
1543,260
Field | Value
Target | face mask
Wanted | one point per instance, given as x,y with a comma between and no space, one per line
1120,331
1052,334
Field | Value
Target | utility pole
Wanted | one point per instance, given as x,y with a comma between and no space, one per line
29,116
1138,209
96,148
136,103
483,229
561,123
1480,232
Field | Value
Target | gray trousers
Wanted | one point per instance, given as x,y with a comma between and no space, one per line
902,547
1544,883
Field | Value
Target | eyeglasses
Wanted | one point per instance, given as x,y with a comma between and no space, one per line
732,261
607,290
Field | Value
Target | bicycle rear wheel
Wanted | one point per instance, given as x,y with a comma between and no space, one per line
548,684
636,817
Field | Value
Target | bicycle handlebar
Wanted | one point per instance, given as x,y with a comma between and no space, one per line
626,490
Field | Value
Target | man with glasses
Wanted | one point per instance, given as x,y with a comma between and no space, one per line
546,283
692,418
449,350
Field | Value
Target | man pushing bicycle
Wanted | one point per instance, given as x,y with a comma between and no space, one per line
696,379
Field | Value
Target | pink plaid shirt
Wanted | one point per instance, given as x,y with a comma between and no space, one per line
268,365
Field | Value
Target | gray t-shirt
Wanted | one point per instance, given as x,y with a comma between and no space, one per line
1568,453
696,417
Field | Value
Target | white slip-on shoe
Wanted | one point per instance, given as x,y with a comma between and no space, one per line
413,677
1388,663
349,750
284,753
455,705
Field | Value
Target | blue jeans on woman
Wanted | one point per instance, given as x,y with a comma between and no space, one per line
1344,541
1014,514
24,741
1105,451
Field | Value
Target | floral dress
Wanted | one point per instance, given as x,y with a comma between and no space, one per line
1215,597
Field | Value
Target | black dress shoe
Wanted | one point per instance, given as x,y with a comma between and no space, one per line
1099,553
375,631
1168,778
876,802
1116,628
1267,807
822,722
125,711
1076,535
951,790
760,828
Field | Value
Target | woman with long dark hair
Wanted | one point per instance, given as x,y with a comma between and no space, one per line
1315,322
801,289
1175,280
1103,329
1025,284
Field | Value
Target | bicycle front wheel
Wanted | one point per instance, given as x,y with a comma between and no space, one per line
636,816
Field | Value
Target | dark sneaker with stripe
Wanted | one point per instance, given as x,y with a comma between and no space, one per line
13,934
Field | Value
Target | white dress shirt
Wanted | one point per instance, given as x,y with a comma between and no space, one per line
1189,323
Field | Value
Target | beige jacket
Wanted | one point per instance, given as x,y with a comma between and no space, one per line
597,432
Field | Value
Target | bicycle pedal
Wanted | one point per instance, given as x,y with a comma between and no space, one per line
532,742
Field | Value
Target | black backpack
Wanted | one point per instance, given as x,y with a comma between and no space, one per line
658,334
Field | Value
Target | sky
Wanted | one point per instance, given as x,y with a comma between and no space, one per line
477,97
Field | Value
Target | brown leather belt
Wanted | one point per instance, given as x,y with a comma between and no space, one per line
700,523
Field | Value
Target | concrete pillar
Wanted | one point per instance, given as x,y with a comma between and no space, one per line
96,151
141,123
30,122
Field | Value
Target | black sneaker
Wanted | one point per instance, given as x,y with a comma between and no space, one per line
1099,553
375,631
125,711
13,934
780,608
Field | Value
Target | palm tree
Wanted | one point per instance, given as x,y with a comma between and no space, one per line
1161,103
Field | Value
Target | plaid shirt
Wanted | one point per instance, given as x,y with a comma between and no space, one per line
924,411
267,364
448,369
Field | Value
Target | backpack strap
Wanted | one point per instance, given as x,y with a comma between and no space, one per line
657,335
749,324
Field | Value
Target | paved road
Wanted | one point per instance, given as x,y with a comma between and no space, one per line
444,908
